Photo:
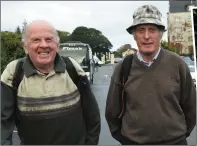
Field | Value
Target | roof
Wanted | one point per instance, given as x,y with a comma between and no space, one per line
74,42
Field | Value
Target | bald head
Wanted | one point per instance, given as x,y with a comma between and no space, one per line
38,24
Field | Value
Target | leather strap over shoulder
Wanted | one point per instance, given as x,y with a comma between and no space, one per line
71,70
18,74
124,73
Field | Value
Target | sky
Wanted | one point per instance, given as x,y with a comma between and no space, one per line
110,17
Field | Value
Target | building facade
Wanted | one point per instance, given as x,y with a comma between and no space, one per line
180,31
180,5
179,23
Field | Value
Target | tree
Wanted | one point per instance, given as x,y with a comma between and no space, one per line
18,30
124,48
93,37
24,25
172,46
175,47
64,36
191,50
11,48
164,44
117,54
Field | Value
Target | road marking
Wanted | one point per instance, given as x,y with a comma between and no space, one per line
106,76
15,131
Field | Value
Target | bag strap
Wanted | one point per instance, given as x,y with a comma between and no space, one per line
18,74
71,70
124,73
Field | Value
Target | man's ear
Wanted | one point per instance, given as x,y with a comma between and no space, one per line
25,47
58,47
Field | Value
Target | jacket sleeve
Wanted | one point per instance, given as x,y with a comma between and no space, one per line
113,105
7,105
188,98
91,112
90,108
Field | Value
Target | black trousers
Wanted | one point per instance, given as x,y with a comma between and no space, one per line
126,141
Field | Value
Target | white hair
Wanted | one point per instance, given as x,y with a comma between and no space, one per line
25,31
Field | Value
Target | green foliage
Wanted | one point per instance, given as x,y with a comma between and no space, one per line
18,30
124,48
176,47
117,54
24,25
64,36
191,50
11,48
173,47
93,37
164,44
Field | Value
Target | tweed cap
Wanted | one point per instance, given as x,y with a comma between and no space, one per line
146,14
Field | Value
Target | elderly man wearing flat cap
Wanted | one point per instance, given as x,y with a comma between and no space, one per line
159,104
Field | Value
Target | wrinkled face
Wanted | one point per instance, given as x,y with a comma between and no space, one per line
41,44
147,38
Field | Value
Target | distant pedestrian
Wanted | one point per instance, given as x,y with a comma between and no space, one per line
96,62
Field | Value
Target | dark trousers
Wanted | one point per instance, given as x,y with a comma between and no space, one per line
126,141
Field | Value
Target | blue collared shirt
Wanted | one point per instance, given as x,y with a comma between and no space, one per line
139,56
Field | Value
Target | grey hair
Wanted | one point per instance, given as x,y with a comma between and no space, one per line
24,33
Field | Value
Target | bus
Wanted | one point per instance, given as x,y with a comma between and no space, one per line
82,53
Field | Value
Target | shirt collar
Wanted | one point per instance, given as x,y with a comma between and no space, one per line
141,58
29,69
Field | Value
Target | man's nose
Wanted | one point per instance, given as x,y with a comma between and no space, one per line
147,35
43,43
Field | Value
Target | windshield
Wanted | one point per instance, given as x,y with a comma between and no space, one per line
191,68
76,52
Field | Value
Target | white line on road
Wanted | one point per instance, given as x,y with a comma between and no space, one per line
106,76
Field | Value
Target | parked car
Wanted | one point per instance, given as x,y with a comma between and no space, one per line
192,63
193,73
116,60
100,63
187,60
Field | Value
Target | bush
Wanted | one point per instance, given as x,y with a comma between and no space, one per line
11,48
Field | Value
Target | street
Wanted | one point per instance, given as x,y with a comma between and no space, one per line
100,89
